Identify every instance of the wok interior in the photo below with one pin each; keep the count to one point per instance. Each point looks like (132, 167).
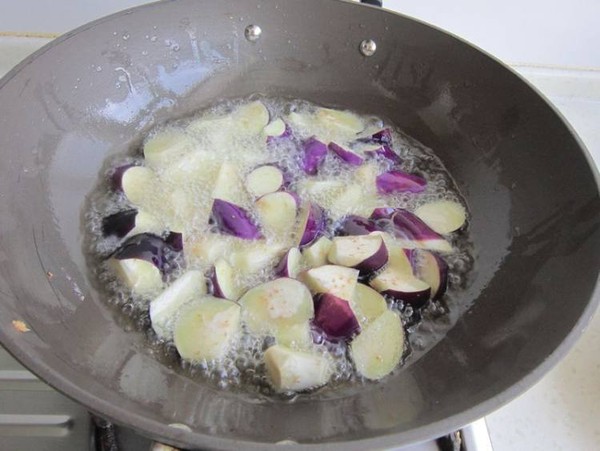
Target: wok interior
(528, 185)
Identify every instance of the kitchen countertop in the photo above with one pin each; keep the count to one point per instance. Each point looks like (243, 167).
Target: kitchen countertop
(561, 412)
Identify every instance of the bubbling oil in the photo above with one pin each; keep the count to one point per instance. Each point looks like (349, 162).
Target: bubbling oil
(243, 368)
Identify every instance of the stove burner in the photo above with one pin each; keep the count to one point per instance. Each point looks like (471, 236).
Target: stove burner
(34, 416)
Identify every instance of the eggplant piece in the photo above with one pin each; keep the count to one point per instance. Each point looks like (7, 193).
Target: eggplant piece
(383, 136)
(139, 184)
(339, 121)
(402, 286)
(163, 148)
(119, 224)
(150, 248)
(254, 257)
(141, 276)
(431, 269)
(206, 249)
(383, 151)
(312, 223)
(116, 177)
(367, 253)
(442, 216)
(277, 212)
(337, 280)
(228, 185)
(382, 213)
(278, 303)
(142, 261)
(175, 241)
(377, 350)
(399, 182)
(316, 254)
(408, 227)
(231, 219)
(250, 118)
(366, 176)
(222, 278)
(294, 336)
(335, 317)
(329, 124)
(264, 180)
(290, 370)
(277, 129)
(353, 225)
(345, 155)
(315, 152)
(197, 169)
(207, 329)
(165, 307)
(353, 198)
(367, 304)
(290, 264)
(397, 279)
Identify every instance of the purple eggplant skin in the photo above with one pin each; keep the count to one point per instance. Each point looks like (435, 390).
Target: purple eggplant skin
(415, 299)
(119, 224)
(408, 225)
(315, 152)
(382, 213)
(443, 268)
(334, 316)
(356, 225)
(175, 240)
(315, 224)
(231, 219)
(116, 177)
(375, 262)
(386, 152)
(383, 136)
(214, 287)
(399, 182)
(283, 268)
(148, 247)
(345, 155)
(418, 259)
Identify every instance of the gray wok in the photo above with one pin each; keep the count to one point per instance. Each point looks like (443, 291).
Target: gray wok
(527, 179)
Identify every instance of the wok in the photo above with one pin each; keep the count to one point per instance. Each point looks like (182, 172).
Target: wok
(526, 177)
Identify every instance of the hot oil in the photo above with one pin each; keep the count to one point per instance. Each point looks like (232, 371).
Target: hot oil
(243, 369)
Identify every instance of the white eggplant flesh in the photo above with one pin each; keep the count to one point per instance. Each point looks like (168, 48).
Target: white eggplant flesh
(367, 304)
(228, 185)
(334, 279)
(377, 350)
(442, 216)
(367, 253)
(295, 336)
(165, 307)
(264, 180)
(277, 213)
(316, 254)
(139, 186)
(290, 370)
(165, 147)
(141, 276)
(275, 304)
(207, 329)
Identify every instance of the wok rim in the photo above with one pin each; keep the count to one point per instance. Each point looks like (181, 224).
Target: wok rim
(179, 437)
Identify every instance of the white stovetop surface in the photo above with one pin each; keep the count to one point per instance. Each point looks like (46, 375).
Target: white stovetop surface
(561, 412)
